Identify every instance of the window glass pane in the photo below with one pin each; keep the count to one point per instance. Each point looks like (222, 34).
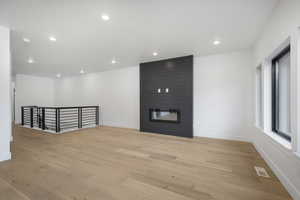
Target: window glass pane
(284, 94)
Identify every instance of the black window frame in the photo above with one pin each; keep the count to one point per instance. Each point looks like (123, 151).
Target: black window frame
(275, 95)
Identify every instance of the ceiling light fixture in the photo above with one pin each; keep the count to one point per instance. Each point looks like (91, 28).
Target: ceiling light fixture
(105, 17)
(113, 61)
(27, 40)
(82, 71)
(30, 60)
(155, 53)
(52, 39)
(58, 75)
(217, 42)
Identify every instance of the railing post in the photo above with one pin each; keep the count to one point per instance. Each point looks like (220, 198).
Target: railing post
(39, 120)
(97, 115)
(43, 119)
(37, 117)
(31, 117)
(22, 113)
(57, 117)
(79, 117)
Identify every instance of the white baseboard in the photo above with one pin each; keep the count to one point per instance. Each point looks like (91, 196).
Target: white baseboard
(234, 138)
(118, 125)
(5, 156)
(294, 192)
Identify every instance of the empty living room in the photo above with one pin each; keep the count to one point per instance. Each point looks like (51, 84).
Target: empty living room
(150, 100)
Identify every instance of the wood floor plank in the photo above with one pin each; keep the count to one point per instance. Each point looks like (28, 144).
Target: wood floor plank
(123, 164)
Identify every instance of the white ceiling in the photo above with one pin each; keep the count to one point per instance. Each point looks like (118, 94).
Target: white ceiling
(135, 30)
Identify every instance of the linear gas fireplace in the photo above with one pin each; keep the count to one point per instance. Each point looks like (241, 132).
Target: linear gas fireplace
(170, 116)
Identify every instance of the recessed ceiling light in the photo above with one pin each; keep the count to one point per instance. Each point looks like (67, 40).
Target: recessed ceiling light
(82, 71)
(113, 61)
(105, 17)
(217, 42)
(52, 39)
(58, 75)
(27, 40)
(30, 60)
(155, 53)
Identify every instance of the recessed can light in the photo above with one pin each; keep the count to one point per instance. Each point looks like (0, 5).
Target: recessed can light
(217, 42)
(105, 17)
(82, 71)
(58, 75)
(27, 40)
(52, 39)
(30, 60)
(155, 53)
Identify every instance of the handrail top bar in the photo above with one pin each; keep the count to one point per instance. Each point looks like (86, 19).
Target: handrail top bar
(29, 107)
(62, 107)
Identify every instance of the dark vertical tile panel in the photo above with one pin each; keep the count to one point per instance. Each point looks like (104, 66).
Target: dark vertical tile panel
(177, 75)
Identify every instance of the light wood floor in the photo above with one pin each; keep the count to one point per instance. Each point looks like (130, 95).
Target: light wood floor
(119, 164)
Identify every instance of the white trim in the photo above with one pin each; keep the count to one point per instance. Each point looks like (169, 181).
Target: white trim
(259, 96)
(267, 64)
(268, 137)
(232, 138)
(5, 156)
(267, 109)
(296, 142)
(286, 144)
(279, 49)
(294, 192)
(293, 88)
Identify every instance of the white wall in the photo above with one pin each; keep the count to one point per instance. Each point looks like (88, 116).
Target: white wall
(222, 107)
(222, 95)
(5, 98)
(283, 24)
(33, 90)
(117, 93)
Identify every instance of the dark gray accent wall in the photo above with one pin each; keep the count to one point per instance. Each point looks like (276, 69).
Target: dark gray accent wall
(177, 75)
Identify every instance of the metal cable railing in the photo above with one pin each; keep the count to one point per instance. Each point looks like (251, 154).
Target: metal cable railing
(60, 119)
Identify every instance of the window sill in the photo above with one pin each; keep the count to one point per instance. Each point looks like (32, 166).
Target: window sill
(280, 140)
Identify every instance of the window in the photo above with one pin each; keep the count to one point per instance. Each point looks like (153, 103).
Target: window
(281, 124)
(259, 98)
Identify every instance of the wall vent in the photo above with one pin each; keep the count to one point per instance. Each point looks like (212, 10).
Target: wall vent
(260, 171)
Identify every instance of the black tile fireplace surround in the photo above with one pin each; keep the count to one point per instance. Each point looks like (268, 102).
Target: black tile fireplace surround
(166, 97)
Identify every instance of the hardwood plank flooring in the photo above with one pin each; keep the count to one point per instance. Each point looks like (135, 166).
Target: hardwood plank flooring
(121, 164)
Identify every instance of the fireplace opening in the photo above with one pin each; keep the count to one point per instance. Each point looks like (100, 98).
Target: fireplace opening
(171, 115)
